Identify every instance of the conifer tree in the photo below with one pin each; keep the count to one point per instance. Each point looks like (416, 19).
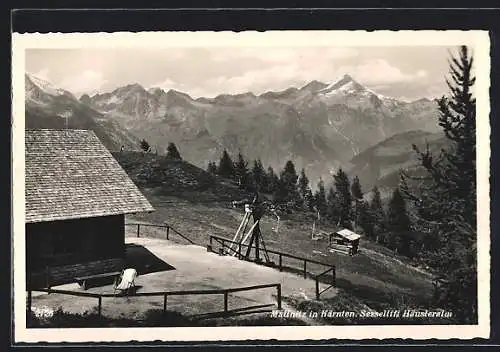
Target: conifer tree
(320, 198)
(173, 152)
(212, 167)
(332, 211)
(377, 214)
(309, 199)
(446, 202)
(357, 195)
(357, 192)
(304, 190)
(366, 221)
(259, 175)
(272, 181)
(288, 192)
(398, 226)
(226, 166)
(343, 198)
(241, 171)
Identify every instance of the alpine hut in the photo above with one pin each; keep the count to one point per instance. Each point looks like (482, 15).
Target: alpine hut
(77, 196)
(345, 241)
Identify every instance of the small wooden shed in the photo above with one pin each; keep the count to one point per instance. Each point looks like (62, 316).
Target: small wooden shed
(345, 241)
(77, 196)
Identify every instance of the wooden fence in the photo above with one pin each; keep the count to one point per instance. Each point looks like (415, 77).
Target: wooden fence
(169, 230)
(328, 276)
(166, 294)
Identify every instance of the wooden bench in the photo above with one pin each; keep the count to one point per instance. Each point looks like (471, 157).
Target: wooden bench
(82, 280)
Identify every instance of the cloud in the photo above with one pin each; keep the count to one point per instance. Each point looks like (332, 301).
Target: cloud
(89, 81)
(295, 73)
(276, 77)
(287, 67)
(281, 55)
(43, 74)
(379, 72)
(165, 84)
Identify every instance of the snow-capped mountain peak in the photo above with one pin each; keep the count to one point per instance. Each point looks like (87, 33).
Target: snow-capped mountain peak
(347, 89)
(46, 86)
(346, 84)
(314, 86)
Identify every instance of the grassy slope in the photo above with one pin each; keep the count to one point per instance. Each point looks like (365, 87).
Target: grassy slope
(198, 204)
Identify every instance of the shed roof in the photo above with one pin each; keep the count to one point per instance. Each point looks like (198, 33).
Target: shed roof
(70, 174)
(348, 234)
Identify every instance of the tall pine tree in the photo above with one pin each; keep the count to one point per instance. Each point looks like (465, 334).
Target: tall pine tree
(173, 152)
(398, 235)
(272, 181)
(320, 198)
(226, 166)
(259, 175)
(304, 190)
(288, 192)
(357, 195)
(446, 203)
(332, 211)
(344, 199)
(377, 214)
(366, 219)
(241, 171)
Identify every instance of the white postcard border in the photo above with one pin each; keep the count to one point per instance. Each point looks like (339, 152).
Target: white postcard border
(479, 40)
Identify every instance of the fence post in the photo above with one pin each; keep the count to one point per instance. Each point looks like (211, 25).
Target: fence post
(239, 250)
(168, 230)
(210, 241)
(278, 289)
(225, 301)
(165, 303)
(99, 308)
(281, 262)
(305, 268)
(317, 288)
(334, 277)
(138, 230)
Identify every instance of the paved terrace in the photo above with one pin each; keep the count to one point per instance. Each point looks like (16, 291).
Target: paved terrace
(166, 266)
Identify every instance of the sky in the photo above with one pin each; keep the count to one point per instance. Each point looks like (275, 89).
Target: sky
(402, 72)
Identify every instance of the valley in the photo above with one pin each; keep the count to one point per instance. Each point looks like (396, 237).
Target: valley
(376, 277)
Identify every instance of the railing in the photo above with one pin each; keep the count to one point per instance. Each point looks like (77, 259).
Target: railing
(165, 294)
(318, 279)
(228, 245)
(169, 229)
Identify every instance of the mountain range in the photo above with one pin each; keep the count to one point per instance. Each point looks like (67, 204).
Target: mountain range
(47, 106)
(319, 126)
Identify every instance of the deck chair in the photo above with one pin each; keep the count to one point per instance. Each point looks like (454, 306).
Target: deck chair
(126, 281)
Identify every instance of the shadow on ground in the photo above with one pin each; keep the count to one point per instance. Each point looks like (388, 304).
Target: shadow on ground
(143, 260)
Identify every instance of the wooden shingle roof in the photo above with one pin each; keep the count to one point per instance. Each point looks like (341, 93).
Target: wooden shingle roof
(70, 174)
(348, 234)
